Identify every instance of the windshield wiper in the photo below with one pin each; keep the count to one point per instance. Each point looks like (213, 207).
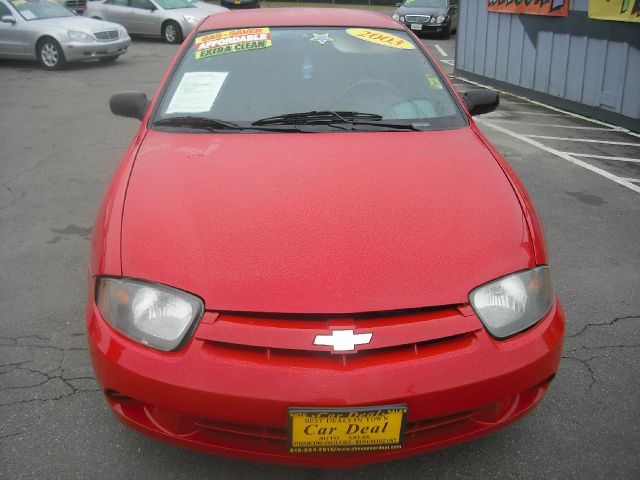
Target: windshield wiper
(215, 124)
(323, 117)
(204, 123)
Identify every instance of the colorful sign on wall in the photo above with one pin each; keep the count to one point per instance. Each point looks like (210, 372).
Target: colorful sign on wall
(556, 8)
(618, 10)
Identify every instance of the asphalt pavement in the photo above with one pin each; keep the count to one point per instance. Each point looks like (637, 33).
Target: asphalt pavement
(59, 145)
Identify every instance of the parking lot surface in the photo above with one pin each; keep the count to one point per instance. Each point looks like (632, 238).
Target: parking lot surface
(59, 147)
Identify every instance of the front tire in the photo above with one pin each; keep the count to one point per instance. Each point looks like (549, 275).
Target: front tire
(50, 54)
(172, 32)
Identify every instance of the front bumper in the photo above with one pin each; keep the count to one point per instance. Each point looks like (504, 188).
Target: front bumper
(428, 27)
(77, 51)
(234, 402)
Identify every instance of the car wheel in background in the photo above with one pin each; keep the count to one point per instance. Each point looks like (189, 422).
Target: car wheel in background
(50, 54)
(172, 32)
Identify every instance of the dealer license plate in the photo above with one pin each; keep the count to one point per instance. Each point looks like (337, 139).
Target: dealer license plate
(331, 430)
(416, 26)
(237, 2)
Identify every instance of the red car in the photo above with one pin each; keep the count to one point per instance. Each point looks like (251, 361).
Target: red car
(311, 255)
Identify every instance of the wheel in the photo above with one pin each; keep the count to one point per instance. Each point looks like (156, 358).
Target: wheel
(172, 32)
(50, 54)
(109, 59)
(447, 32)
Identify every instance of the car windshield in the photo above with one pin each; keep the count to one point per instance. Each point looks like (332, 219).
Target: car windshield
(425, 3)
(173, 4)
(39, 10)
(331, 78)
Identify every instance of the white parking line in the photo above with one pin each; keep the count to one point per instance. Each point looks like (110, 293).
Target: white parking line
(604, 157)
(501, 113)
(449, 62)
(635, 180)
(605, 129)
(564, 156)
(584, 140)
(441, 50)
(549, 107)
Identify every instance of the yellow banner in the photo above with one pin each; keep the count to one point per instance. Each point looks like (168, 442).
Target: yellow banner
(618, 10)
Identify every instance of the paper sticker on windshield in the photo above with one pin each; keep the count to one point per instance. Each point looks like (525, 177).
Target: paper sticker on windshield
(231, 41)
(15, 3)
(27, 14)
(434, 81)
(380, 38)
(196, 92)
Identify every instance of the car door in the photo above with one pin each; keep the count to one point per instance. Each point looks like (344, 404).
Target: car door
(144, 16)
(117, 11)
(12, 37)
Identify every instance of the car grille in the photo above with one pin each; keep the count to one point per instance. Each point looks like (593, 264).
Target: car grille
(288, 339)
(106, 35)
(77, 5)
(417, 18)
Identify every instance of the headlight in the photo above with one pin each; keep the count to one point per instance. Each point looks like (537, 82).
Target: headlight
(440, 19)
(401, 18)
(152, 314)
(514, 303)
(191, 19)
(395, 16)
(79, 36)
(433, 20)
(122, 32)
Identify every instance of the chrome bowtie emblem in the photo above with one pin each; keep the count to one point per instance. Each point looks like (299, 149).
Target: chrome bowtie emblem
(343, 340)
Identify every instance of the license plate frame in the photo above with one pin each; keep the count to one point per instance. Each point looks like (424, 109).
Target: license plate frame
(305, 424)
(416, 26)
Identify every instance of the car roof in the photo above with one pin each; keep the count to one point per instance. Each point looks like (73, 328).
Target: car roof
(271, 17)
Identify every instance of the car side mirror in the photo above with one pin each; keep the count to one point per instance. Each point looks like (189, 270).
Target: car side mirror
(398, 4)
(481, 101)
(129, 104)
(8, 19)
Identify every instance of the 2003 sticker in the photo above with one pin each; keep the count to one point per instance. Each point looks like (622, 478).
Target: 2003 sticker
(231, 41)
(380, 38)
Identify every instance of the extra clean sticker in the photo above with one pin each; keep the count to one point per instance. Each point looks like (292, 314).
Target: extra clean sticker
(380, 38)
(231, 41)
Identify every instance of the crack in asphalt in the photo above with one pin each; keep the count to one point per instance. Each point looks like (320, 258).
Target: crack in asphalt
(585, 363)
(605, 324)
(6, 183)
(54, 371)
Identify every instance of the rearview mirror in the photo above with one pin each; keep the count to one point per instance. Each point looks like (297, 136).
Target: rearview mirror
(129, 104)
(481, 101)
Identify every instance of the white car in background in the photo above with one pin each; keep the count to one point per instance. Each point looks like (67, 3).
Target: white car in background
(170, 19)
(48, 32)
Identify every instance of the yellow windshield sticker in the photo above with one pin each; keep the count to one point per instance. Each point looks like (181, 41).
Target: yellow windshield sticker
(434, 81)
(380, 38)
(18, 2)
(231, 41)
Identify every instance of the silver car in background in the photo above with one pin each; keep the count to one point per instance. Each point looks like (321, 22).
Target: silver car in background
(170, 19)
(48, 32)
(207, 7)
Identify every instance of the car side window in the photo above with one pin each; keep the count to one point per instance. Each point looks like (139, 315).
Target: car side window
(117, 3)
(143, 4)
(4, 10)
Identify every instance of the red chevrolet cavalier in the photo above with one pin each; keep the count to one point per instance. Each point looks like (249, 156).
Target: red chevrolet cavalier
(310, 254)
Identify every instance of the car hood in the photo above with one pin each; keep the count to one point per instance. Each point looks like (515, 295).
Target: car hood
(82, 24)
(421, 11)
(321, 223)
